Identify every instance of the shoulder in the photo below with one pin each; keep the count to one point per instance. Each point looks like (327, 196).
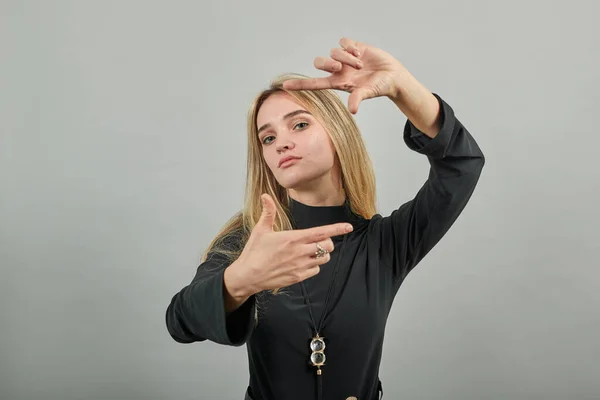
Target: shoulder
(232, 240)
(373, 227)
(366, 226)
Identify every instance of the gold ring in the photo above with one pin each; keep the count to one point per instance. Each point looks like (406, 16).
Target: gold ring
(321, 251)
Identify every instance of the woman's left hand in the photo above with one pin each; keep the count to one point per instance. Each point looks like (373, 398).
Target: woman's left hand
(358, 68)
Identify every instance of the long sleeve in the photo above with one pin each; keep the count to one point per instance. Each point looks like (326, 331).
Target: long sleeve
(197, 312)
(456, 162)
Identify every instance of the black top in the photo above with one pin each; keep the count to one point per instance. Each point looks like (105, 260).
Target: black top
(377, 256)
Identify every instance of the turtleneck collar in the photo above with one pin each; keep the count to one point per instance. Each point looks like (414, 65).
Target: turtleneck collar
(305, 216)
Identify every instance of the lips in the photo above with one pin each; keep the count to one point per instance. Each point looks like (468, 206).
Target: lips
(288, 158)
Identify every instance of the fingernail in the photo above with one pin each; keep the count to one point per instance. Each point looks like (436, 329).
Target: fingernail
(349, 228)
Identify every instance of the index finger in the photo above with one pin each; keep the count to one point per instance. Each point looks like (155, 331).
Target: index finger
(319, 233)
(307, 84)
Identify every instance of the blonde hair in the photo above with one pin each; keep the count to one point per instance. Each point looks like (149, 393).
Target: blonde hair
(357, 175)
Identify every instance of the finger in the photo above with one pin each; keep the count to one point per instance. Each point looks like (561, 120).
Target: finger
(307, 84)
(324, 259)
(358, 95)
(310, 249)
(346, 58)
(316, 262)
(350, 46)
(327, 64)
(309, 273)
(319, 233)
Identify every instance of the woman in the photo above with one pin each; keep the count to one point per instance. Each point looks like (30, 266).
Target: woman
(309, 227)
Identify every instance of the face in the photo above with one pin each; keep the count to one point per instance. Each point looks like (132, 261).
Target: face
(288, 129)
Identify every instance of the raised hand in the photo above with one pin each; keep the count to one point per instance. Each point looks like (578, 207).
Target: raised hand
(362, 70)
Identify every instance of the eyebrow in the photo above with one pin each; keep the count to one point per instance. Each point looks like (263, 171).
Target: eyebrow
(286, 116)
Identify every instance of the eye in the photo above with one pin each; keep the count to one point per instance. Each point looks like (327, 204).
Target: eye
(300, 123)
(265, 138)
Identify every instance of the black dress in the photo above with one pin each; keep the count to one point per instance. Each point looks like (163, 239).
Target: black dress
(376, 257)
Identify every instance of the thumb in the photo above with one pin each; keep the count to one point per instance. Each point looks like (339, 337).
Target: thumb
(359, 94)
(269, 211)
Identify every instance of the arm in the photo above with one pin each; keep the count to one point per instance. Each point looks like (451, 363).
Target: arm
(234, 292)
(213, 306)
(456, 162)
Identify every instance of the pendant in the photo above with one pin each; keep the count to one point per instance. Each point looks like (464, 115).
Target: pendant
(317, 357)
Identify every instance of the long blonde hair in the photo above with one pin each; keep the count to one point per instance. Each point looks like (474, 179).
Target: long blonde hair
(358, 178)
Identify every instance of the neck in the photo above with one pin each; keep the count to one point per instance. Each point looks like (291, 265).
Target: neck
(324, 190)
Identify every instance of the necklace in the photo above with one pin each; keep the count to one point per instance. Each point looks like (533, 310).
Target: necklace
(317, 343)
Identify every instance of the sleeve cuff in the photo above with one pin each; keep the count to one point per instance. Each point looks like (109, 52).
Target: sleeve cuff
(436, 147)
(235, 328)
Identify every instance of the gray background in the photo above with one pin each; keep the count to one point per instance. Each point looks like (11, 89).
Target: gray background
(122, 153)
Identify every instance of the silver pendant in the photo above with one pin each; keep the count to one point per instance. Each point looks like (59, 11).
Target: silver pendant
(317, 347)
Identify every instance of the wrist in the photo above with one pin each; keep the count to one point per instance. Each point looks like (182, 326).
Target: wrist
(400, 78)
(235, 283)
(403, 84)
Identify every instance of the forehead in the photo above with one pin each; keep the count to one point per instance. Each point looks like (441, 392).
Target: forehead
(275, 107)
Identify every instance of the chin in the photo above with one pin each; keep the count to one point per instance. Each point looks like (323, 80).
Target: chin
(291, 184)
(299, 179)
(297, 184)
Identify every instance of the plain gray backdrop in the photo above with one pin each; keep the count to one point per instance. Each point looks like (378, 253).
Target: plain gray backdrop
(123, 152)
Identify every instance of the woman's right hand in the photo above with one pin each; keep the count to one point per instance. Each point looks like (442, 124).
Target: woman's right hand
(273, 260)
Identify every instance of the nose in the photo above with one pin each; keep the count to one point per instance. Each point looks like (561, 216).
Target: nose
(284, 143)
